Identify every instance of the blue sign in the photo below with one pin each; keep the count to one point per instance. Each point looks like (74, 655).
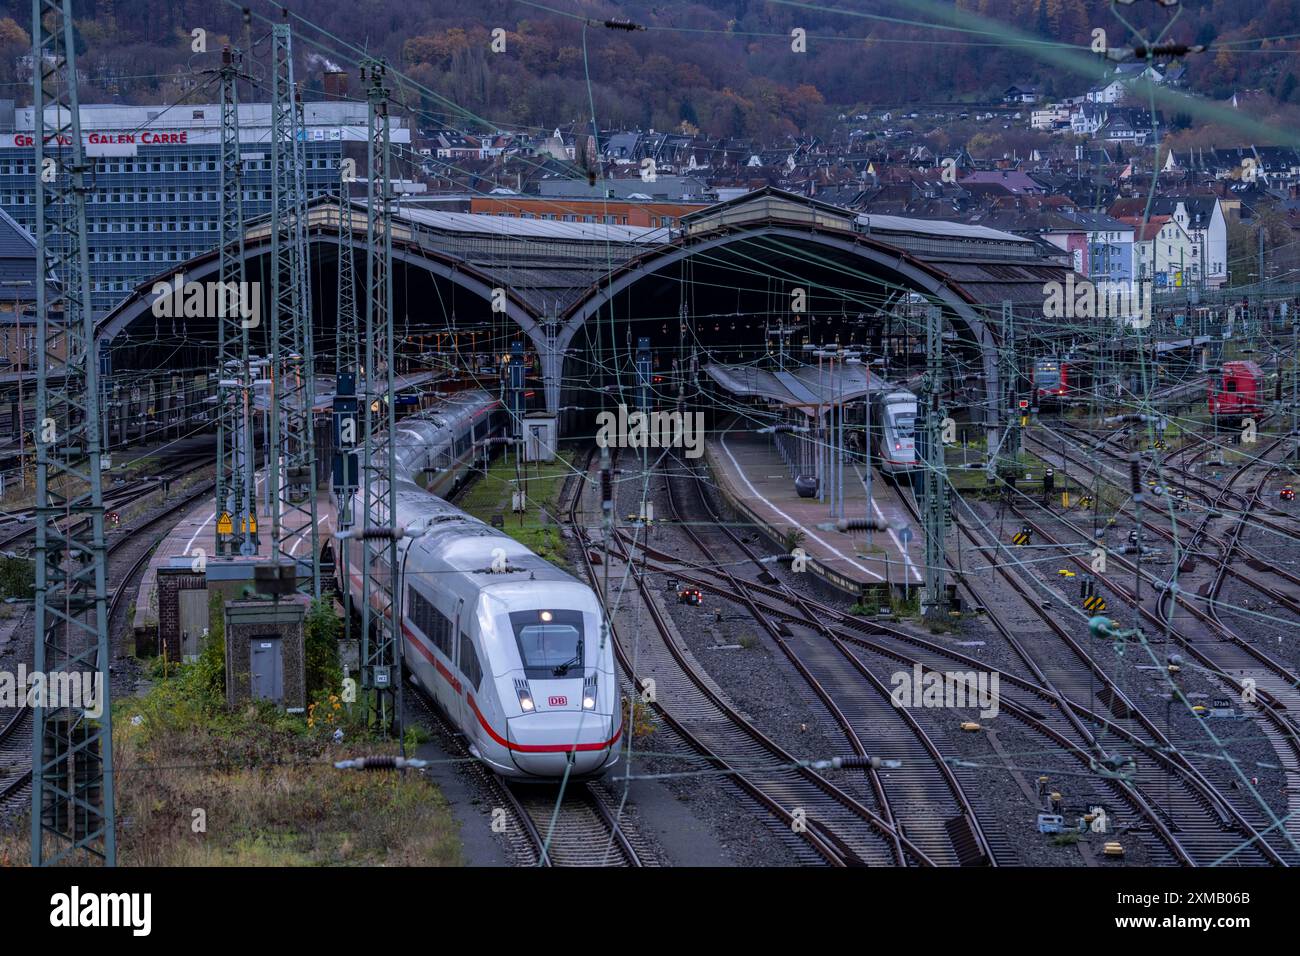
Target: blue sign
(346, 471)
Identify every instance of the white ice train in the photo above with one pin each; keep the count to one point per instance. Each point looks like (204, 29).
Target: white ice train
(892, 412)
(508, 644)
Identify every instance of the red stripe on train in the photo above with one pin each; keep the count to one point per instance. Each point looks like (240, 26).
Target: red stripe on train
(540, 748)
(427, 654)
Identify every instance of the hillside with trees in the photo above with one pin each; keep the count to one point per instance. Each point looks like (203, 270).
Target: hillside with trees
(723, 66)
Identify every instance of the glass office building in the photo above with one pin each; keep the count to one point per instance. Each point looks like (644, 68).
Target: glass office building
(155, 192)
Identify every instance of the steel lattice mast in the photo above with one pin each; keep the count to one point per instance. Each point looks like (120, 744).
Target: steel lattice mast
(290, 475)
(379, 599)
(934, 478)
(302, 455)
(345, 387)
(72, 754)
(235, 482)
(345, 331)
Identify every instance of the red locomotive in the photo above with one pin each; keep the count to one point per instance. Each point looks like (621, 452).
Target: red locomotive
(1055, 380)
(1238, 390)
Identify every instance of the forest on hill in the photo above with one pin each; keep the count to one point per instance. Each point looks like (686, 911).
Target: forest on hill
(727, 67)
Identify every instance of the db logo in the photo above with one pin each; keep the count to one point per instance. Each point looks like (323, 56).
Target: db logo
(558, 701)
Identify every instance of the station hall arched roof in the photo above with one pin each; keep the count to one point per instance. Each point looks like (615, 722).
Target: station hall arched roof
(561, 271)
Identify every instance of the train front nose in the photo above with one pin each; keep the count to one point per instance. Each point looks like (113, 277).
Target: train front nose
(542, 744)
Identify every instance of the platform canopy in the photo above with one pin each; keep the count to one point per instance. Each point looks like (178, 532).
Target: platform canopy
(807, 388)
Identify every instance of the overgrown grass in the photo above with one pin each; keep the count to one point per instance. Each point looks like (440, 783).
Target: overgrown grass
(908, 605)
(267, 795)
(542, 481)
(200, 785)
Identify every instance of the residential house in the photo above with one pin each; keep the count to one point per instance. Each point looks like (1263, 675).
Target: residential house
(1202, 218)
(561, 146)
(1087, 119)
(449, 144)
(1107, 94)
(1050, 118)
(1117, 87)
(1163, 253)
(1104, 251)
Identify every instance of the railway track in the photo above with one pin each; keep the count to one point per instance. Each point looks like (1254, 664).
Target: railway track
(1193, 821)
(1036, 708)
(1178, 468)
(1204, 821)
(119, 497)
(923, 796)
(837, 827)
(1256, 568)
(574, 825)
(1216, 648)
(127, 554)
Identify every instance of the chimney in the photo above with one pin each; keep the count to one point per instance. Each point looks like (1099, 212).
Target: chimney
(336, 85)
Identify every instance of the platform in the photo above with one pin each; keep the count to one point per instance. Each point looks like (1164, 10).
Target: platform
(195, 531)
(756, 482)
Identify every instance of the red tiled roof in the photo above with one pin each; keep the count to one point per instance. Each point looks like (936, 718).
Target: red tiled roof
(1150, 231)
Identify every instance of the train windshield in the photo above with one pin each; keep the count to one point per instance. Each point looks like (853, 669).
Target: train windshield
(1047, 373)
(550, 641)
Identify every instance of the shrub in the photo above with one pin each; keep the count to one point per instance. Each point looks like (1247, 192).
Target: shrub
(637, 718)
(208, 673)
(322, 649)
(908, 606)
(17, 577)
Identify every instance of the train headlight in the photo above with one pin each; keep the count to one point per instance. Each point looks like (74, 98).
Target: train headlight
(589, 693)
(525, 696)
(588, 702)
